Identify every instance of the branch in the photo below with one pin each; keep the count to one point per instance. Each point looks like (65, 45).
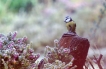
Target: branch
(98, 60)
(86, 67)
(90, 62)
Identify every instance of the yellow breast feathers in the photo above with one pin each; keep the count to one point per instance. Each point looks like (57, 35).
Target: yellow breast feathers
(71, 26)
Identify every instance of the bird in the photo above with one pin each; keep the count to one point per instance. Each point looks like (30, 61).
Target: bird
(70, 24)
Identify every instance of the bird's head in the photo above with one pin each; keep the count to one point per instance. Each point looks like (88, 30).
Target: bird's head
(68, 19)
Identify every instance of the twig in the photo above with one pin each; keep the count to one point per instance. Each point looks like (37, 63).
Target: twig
(91, 65)
(90, 62)
(86, 67)
(98, 60)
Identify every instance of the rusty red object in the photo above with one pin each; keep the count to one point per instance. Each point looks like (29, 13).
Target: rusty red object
(78, 47)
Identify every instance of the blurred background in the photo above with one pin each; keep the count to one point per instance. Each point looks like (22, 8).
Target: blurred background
(42, 21)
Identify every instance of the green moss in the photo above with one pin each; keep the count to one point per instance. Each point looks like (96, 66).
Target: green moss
(16, 5)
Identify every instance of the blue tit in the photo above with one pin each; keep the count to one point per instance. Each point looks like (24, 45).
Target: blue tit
(70, 24)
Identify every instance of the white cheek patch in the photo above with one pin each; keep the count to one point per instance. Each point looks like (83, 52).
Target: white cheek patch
(67, 20)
